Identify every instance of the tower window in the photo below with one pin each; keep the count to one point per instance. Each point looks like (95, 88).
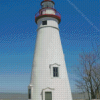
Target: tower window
(44, 22)
(55, 71)
(29, 93)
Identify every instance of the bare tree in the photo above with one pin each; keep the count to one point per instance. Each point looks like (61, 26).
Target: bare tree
(89, 74)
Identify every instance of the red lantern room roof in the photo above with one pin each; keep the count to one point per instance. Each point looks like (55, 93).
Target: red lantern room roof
(47, 0)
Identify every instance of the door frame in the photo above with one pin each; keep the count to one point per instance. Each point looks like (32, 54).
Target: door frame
(48, 90)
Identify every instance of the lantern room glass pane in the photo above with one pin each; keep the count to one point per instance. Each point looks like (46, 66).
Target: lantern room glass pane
(47, 4)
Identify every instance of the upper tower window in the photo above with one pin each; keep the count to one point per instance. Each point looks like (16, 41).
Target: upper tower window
(44, 22)
(47, 4)
(55, 71)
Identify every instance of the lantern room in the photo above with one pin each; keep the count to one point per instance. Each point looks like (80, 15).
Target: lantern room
(47, 3)
(47, 10)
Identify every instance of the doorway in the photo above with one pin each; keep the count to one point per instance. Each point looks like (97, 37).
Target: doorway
(48, 95)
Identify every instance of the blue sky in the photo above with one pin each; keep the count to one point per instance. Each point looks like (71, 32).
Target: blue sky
(79, 28)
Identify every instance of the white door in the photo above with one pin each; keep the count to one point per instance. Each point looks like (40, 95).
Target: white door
(48, 95)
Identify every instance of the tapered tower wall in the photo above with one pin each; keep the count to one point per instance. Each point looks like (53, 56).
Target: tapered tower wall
(48, 53)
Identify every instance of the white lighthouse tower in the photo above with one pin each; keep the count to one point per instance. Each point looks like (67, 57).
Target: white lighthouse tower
(49, 80)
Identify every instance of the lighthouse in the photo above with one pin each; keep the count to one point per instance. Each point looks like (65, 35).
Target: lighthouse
(49, 79)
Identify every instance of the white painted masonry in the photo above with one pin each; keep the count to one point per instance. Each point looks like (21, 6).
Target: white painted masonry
(48, 54)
